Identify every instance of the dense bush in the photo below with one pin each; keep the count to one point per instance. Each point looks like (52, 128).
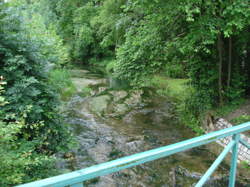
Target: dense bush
(25, 68)
(142, 53)
(20, 160)
(92, 29)
(31, 129)
(175, 70)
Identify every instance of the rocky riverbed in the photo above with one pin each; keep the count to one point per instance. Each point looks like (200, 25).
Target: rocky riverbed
(110, 123)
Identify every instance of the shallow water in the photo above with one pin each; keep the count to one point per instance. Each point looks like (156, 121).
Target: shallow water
(147, 125)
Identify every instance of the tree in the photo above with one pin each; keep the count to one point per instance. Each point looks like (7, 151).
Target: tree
(31, 129)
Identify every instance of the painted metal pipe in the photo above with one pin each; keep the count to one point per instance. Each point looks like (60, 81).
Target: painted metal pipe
(216, 163)
(234, 159)
(243, 142)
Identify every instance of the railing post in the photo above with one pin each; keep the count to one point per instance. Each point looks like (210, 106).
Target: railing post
(233, 169)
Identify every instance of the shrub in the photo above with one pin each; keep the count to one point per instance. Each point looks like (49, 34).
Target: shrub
(20, 162)
(60, 79)
(175, 70)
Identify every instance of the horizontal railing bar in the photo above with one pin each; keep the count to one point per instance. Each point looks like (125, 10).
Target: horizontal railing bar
(215, 164)
(244, 143)
(136, 159)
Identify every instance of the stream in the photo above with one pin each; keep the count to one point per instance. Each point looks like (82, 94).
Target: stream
(110, 122)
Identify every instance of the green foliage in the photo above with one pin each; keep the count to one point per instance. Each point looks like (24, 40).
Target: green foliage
(86, 91)
(177, 89)
(204, 41)
(20, 161)
(245, 165)
(83, 33)
(74, 26)
(31, 130)
(110, 66)
(237, 89)
(106, 65)
(145, 48)
(179, 38)
(190, 120)
(2, 99)
(36, 28)
(139, 56)
(60, 79)
(110, 24)
(90, 28)
(175, 70)
(51, 44)
(181, 93)
(230, 107)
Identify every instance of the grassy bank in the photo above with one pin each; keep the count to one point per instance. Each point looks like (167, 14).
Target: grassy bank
(177, 89)
(180, 91)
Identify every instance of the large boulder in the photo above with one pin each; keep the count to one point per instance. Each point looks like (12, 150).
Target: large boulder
(99, 105)
(120, 109)
(119, 95)
(135, 98)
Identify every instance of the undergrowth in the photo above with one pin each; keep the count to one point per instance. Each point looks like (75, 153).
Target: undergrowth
(179, 90)
(60, 79)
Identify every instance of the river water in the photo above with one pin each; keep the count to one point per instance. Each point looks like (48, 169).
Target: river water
(111, 123)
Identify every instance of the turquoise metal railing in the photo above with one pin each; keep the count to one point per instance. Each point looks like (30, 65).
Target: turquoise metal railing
(76, 178)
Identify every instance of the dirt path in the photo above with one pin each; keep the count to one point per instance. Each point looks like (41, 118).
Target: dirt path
(242, 110)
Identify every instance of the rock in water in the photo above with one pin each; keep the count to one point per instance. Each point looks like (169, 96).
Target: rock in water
(99, 105)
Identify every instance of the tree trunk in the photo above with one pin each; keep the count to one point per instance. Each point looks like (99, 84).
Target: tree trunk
(248, 67)
(219, 45)
(229, 62)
